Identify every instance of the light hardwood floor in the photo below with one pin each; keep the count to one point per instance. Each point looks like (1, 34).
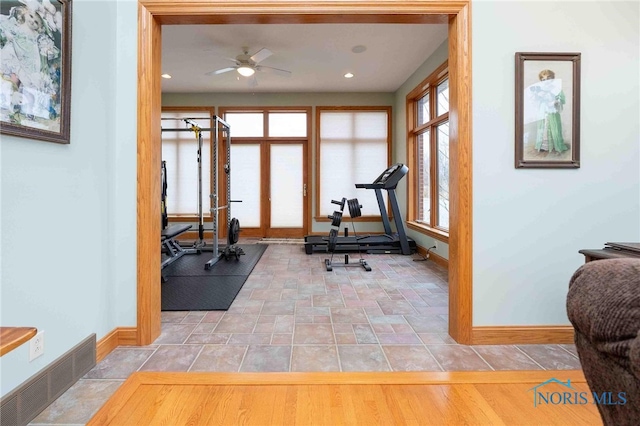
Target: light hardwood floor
(453, 398)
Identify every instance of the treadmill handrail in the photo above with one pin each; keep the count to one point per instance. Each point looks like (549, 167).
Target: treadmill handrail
(389, 179)
(370, 185)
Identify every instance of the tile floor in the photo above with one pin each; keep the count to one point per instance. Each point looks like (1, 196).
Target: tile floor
(293, 315)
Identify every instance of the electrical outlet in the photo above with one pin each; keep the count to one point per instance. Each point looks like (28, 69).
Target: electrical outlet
(36, 346)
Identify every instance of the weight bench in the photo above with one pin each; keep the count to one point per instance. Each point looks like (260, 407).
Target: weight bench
(170, 246)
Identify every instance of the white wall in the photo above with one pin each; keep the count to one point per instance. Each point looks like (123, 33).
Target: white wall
(528, 224)
(65, 208)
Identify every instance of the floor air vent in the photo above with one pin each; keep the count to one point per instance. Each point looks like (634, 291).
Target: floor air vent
(24, 403)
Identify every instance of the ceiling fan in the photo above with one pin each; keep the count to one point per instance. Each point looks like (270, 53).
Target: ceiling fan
(247, 65)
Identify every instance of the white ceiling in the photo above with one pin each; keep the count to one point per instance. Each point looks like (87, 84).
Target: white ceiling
(318, 55)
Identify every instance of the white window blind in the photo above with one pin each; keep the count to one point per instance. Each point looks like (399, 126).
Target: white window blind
(245, 124)
(353, 149)
(245, 184)
(180, 151)
(287, 124)
(287, 169)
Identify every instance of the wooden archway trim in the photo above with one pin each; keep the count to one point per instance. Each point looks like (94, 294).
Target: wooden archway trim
(154, 14)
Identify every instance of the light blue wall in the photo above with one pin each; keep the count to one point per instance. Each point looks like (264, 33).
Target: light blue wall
(400, 138)
(67, 216)
(529, 224)
(68, 211)
(123, 173)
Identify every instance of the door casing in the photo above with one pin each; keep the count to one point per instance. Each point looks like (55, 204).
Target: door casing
(152, 14)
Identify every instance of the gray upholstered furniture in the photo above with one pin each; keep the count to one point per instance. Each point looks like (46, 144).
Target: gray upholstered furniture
(603, 305)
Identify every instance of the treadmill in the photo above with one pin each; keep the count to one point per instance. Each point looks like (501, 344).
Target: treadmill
(389, 242)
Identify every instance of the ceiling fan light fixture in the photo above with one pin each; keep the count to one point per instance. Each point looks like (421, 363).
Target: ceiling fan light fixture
(246, 71)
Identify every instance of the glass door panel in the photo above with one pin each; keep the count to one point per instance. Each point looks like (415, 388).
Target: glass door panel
(287, 190)
(245, 184)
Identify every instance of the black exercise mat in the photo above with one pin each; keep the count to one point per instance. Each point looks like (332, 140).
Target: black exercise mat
(198, 289)
(193, 264)
(214, 293)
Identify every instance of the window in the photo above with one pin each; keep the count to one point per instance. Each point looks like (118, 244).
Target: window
(278, 124)
(428, 152)
(353, 147)
(245, 124)
(287, 124)
(180, 151)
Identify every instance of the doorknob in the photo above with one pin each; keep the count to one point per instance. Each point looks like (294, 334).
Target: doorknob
(304, 190)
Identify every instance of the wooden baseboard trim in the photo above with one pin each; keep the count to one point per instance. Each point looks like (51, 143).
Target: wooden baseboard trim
(120, 336)
(511, 335)
(106, 345)
(127, 336)
(434, 257)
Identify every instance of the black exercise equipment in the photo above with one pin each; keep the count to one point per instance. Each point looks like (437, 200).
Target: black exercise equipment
(191, 126)
(340, 203)
(332, 241)
(163, 202)
(389, 242)
(336, 218)
(233, 234)
(170, 247)
(230, 250)
(220, 126)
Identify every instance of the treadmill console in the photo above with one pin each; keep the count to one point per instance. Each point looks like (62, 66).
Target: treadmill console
(389, 178)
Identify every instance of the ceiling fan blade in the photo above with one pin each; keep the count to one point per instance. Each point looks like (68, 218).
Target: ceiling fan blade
(253, 81)
(271, 70)
(220, 71)
(261, 55)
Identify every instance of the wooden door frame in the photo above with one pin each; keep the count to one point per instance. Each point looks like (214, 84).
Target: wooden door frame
(265, 142)
(305, 181)
(152, 14)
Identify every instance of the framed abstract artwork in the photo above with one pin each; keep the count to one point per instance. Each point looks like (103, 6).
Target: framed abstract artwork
(35, 88)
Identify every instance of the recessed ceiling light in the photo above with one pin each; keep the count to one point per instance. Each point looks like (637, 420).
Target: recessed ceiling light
(348, 75)
(358, 49)
(166, 76)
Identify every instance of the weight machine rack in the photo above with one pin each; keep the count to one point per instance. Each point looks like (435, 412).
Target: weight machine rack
(219, 125)
(200, 245)
(336, 219)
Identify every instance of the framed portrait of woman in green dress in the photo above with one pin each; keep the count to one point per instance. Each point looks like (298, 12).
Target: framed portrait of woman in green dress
(547, 110)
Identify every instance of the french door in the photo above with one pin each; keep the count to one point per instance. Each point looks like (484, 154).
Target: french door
(269, 170)
(270, 180)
